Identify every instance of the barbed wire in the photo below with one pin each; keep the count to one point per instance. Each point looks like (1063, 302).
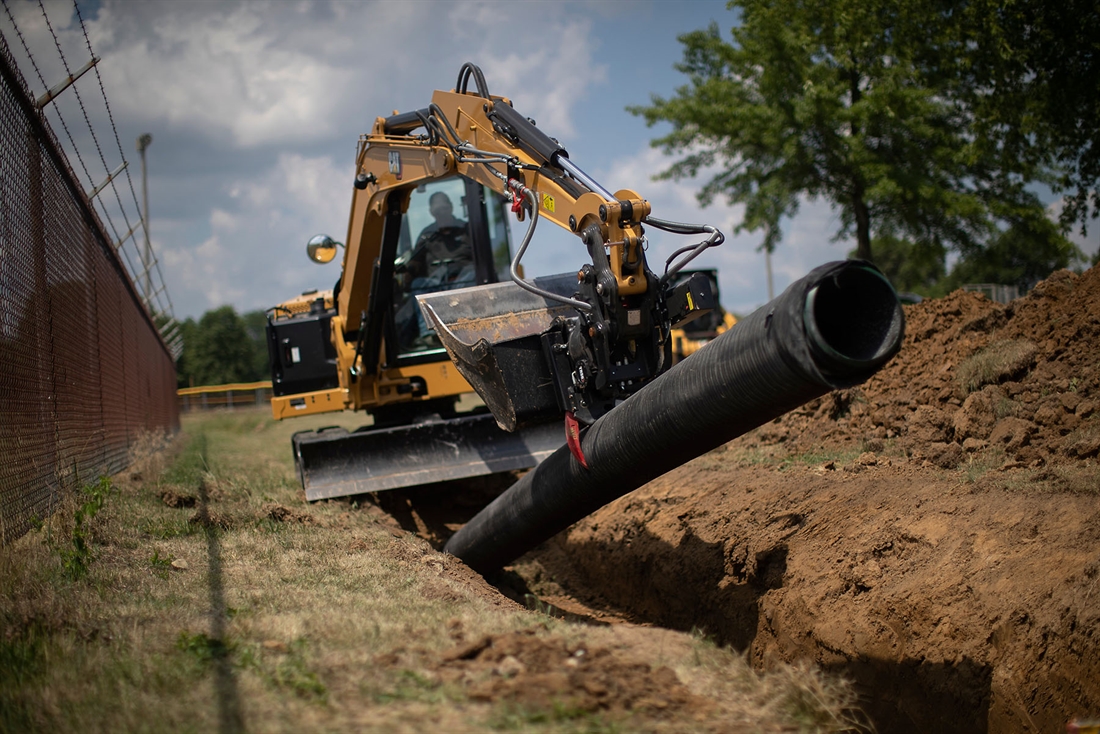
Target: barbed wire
(155, 262)
(148, 279)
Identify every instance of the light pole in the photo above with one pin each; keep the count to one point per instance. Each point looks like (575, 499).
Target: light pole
(768, 268)
(143, 142)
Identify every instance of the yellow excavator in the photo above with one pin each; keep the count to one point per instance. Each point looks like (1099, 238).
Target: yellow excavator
(431, 303)
(577, 373)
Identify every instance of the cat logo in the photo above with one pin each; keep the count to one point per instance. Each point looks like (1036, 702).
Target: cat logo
(395, 164)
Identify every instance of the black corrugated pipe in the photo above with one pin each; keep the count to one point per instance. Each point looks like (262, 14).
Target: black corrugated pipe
(832, 329)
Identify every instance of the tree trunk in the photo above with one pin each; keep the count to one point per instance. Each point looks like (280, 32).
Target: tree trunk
(863, 222)
(859, 206)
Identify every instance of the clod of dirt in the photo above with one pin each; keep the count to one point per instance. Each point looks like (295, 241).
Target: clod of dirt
(542, 674)
(176, 500)
(282, 513)
(999, 362)
(209, 490)
(206, 518)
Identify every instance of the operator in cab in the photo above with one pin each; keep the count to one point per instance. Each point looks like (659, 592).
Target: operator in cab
(442, 254)
(441, 259)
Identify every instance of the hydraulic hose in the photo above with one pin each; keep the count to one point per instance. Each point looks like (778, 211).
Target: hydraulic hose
(832, 329)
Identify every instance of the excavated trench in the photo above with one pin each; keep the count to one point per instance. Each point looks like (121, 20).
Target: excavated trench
(932, 535)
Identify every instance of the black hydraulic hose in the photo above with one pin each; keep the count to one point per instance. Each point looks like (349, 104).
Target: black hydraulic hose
(832, 329)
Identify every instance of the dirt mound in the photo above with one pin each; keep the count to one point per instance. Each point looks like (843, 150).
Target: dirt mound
(932, 534)
(972, 375)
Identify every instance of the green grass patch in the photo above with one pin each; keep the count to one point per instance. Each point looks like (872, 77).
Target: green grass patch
(998, 362)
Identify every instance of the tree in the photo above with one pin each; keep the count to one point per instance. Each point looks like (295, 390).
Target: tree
(1035, 72)
(1022, 255)
(218, 350)
(910, 266)
(185, 372)
(865, 104)
(255, 323)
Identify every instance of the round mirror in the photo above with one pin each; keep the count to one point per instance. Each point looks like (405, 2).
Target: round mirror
(322, 248)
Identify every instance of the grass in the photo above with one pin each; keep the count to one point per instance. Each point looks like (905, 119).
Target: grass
(996, 363)
(125, 614)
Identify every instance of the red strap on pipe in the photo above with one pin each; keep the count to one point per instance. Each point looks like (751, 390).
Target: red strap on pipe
(573, 438)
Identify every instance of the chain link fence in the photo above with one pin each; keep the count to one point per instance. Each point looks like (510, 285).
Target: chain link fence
(83, 370)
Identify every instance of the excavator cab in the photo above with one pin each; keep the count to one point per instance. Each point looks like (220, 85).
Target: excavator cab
(453, 235)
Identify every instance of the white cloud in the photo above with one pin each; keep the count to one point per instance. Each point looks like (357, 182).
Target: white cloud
(254, 255)
(233, 69)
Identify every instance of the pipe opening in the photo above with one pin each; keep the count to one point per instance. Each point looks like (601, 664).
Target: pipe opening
(854, 319)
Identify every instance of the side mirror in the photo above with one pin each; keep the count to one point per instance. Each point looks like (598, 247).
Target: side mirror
(322, 248)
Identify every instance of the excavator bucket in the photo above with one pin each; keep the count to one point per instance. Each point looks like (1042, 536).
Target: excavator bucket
(492, 334)
(335, 462)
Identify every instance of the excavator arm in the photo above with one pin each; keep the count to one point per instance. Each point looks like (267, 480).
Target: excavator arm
(617, 337)
(534, 350)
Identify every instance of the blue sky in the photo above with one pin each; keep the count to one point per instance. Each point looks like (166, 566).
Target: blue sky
(255, 109)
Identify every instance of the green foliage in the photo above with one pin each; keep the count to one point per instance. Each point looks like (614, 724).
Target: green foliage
(291, 673)
(868, 105)
(223, 347)
(22, 661)
(255, 324)
(911, 267)
(1022, 255)
(1035, 72)
(162, 565)
(164, 528)
(78, 555)
(202, 647)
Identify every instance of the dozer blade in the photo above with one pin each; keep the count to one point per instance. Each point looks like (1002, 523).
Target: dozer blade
(491, 333)
(334, 462)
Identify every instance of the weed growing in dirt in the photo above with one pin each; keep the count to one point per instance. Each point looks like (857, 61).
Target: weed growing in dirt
(165, 528)
(998, 362)
(161, 565)
(76, 556)
(818, 704)
(284, 667)
(980, 464)
(202, 647)
(412, 685)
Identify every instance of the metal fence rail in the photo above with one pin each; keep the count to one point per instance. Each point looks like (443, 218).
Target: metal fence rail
(83, 370)
(237, 395)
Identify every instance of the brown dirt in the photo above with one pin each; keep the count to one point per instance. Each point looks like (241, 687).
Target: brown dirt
(540, 673)
(933, 535)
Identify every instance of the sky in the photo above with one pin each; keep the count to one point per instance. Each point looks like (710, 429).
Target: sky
(255, 109)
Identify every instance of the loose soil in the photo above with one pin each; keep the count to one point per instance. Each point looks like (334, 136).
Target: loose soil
(932, 535)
